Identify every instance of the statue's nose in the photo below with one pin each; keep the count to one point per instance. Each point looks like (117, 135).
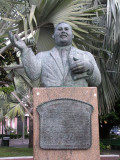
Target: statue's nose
(63, 31)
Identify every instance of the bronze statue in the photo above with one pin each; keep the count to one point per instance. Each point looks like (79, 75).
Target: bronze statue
(64, 65)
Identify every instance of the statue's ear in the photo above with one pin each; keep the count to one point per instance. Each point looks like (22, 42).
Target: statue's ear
(53, 36)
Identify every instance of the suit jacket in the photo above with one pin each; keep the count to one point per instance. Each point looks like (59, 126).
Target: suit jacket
(49, 68)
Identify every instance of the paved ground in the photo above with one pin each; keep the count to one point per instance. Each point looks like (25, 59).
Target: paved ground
(19, 143)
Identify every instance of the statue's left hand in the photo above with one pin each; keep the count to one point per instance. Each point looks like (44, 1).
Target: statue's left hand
(81, 66)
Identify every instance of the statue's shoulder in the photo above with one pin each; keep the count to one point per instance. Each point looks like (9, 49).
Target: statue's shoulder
(79, 51)
(45, 53)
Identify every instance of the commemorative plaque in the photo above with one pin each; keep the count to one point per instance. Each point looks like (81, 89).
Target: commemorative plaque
(65, 124)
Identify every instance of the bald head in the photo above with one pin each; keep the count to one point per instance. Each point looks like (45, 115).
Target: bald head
(63, 34)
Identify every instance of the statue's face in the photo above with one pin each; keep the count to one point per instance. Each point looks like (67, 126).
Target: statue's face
(63, 34)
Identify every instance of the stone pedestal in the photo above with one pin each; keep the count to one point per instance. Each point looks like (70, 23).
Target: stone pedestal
(88, 95)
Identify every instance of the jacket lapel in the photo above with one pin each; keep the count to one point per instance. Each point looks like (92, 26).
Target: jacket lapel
(55, 54)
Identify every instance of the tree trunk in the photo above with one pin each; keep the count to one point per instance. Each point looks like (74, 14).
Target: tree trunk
(30, 132)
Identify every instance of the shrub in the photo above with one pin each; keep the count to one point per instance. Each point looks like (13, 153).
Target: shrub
(15, 136)
(102, 147)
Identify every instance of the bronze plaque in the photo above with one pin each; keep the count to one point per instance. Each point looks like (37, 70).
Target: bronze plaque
(65, 124)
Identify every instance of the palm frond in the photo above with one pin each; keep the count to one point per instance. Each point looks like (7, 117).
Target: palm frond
(47, 13)
(2, 95)
(43, 15)
(113, 21)
(108, 91)
(15, 110)
(9, 15)
(79, 14)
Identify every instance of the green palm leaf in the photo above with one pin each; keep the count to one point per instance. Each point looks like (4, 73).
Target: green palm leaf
(15, 110)
(83, 17)
(78, 13)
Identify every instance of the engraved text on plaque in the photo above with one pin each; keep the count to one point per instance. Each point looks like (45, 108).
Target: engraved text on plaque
(65, 124)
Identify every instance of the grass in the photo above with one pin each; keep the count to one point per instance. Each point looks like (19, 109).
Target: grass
(15, 152)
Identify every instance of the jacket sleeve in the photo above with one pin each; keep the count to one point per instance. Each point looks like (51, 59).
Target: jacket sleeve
(95, 78)
(31, 63)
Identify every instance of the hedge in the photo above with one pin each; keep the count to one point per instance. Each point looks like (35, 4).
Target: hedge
(15, 136)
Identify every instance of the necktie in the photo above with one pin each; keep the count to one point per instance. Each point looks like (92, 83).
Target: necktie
(64, 57)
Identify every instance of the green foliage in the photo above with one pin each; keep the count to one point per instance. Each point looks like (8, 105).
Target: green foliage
(7, 90)
(109, 120)
(14, 109)
(10, 130)
(2, 42)
(113, 16)
(102, 147)
(14, 136)
(108, 147)
(111, 143)
(88, 24)
(79, 14)
(113, 117)
(9, 57)
(110, 88)
(118, 137)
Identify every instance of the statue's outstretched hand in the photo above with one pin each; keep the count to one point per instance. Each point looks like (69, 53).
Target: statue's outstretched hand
(16, 41)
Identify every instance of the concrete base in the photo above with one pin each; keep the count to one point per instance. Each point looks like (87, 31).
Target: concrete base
(88, 95)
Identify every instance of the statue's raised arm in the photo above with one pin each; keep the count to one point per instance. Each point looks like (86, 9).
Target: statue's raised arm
(31, 63)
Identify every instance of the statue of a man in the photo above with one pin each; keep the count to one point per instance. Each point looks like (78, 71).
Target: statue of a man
(64, 65)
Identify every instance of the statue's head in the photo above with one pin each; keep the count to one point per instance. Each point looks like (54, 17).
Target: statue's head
(63, 34)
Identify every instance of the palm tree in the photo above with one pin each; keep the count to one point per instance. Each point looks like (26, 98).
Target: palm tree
(110, 64)
(40, 17)
(90, 29)
(18, 102)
